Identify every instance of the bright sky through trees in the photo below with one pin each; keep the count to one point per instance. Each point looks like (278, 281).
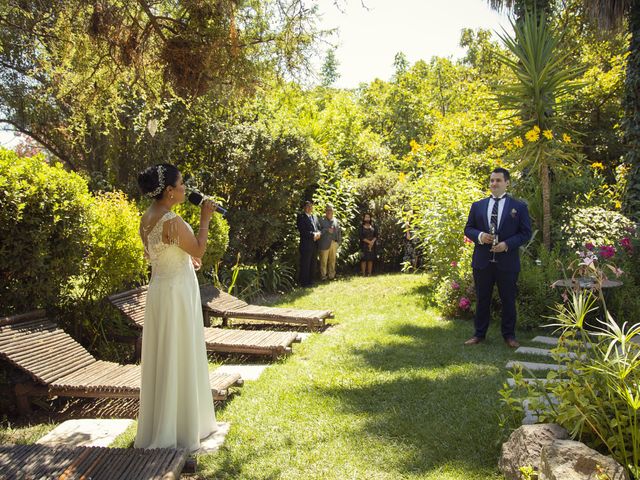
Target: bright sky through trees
(369, 37)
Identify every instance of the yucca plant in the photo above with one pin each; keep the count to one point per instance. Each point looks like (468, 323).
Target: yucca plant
(539, 137)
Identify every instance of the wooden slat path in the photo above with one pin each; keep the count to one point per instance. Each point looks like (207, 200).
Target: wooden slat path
(220, 304)
(258, 342)
(58, 365)
(96, 463)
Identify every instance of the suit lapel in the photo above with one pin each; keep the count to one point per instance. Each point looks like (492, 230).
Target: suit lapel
(485, 215)
(505, 208)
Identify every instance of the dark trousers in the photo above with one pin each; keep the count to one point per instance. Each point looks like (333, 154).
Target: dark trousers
(308, 253)
(485, 279)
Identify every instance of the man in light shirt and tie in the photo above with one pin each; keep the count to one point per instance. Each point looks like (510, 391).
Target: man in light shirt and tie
(498, 226)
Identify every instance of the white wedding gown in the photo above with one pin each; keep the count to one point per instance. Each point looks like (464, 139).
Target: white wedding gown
(176, 405)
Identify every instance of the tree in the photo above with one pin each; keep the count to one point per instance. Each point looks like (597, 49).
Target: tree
(610, 15)
(544, 81)
(85, 78)
(329, 73)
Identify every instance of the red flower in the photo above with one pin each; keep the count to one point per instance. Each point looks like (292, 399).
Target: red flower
(464, 303)
(626, 244)
(589, 246)
(607, 251)
(454, 264)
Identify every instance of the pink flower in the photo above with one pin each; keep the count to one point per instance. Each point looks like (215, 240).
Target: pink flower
(565, 297)
(626, 244)
(618, 272)
(454, 264)
(589, 246)
(455, 285)
(466, 240)
(607, 251)
(464, 303)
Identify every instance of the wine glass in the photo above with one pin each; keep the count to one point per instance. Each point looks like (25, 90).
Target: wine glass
(494, 243)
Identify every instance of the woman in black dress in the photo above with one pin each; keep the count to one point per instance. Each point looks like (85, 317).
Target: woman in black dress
(368, 244)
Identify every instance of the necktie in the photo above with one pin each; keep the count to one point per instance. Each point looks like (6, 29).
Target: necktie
(494, 213)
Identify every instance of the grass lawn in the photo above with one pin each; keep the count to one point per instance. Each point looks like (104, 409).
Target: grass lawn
(389, 393)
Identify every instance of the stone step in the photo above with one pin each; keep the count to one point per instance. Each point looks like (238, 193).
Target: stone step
(512, 383)
(87, 432)
(247, 372)
(546, 340)
(214, 441)
(534, 351)
(541, 351)
(532, 365)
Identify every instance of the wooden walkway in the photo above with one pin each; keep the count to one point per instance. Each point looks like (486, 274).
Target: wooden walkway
(257, 342)
(58, 365)
(21, 462)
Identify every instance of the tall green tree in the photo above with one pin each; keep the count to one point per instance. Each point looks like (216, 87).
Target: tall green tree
(610, 14)
(329, 73)
(86, 79)
(544, 80)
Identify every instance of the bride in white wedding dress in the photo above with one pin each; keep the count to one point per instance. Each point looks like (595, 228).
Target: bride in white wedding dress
(176, 405)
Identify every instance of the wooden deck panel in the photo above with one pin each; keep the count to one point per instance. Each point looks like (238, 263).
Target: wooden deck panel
(132, 303)
(67, 369)
(98, 463)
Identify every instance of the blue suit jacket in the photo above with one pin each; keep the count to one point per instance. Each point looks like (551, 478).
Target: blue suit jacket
(514, 229)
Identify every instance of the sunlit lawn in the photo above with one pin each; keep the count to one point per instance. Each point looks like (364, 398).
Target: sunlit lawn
(389, 393)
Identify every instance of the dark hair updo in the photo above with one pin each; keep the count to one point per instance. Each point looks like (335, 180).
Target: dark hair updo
(153, 180)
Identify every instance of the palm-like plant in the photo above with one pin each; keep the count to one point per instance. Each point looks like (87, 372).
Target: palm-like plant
(610, 14)
(544, 80)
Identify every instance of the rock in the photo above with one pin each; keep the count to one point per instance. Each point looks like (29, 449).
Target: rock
(571, 460)
(524, 446)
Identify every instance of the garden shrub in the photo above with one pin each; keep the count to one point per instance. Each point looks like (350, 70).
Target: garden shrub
(595, 392)
(455, 294)
(45, 214)
(439, 203)
(218, 238)
(536, 298)
(114, 262)
(595, 225)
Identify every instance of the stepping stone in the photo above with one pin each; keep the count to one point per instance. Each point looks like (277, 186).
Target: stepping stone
(534, 351)
(541, 351)
(512, 383)
(247, 372)
(302, 336)
(88, 432)
(546, 340)
(214, 441)
(532, 365)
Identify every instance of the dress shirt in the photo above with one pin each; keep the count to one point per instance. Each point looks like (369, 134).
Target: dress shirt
(490, 209)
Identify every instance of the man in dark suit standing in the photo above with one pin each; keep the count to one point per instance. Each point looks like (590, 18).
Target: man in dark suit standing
(309, 228)
(498, 226)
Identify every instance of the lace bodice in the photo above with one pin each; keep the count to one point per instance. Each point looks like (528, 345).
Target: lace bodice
(165, 258)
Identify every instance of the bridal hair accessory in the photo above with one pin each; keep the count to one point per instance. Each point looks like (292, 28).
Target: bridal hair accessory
(158, 191)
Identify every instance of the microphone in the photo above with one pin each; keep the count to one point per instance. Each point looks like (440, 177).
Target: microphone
(197, 198)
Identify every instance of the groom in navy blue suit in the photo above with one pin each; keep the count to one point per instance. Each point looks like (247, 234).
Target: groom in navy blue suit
(497, 262)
